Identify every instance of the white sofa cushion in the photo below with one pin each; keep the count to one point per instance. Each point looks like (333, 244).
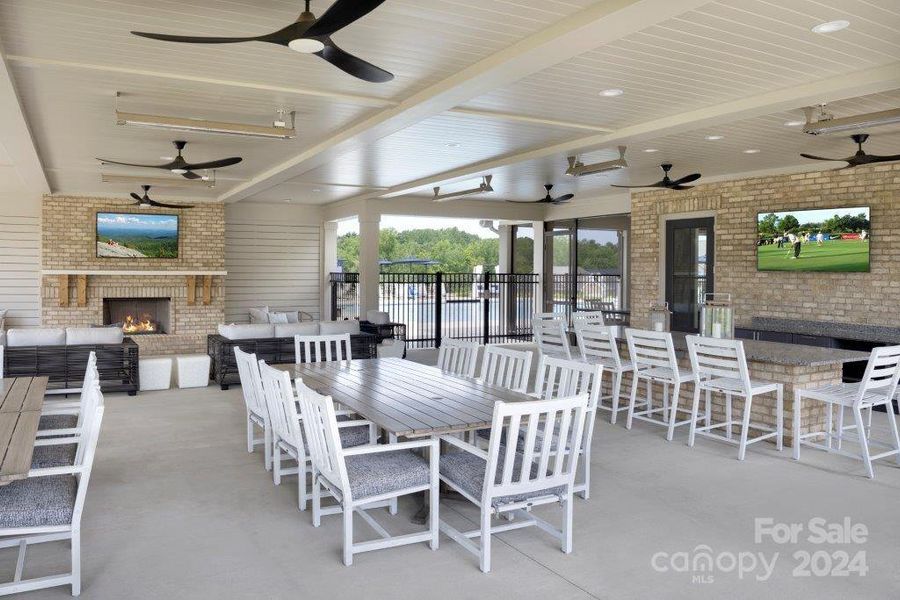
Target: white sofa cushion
(76, 336)
(335, 327)
(278, 318)
(378, 317)
(259, 316)
(36, 337)
(246, 332)
(293, 316)
(292, 329)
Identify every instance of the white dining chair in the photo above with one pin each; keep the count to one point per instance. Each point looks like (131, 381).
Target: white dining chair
(59, 447)
(551, 337)
(255, 404)
(585, 318)
(598, 345)
(322, 348)
(366, 477)
(458, 357)
(559, 378)
(506, 368)
(287, 436)
(47, 507)
(512, 478)
(877, 388)
(653, 356)
(65, 417)
(720, 367)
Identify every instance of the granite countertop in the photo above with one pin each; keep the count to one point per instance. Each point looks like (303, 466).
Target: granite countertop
(846, 331)
(795, 355)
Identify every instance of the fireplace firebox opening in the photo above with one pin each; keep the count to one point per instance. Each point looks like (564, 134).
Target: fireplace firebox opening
(137, 316)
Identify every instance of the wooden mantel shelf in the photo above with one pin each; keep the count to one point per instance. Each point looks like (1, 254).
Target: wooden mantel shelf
(129, 273)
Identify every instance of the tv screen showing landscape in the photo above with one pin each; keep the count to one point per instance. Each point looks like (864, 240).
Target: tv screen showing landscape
(831, 239)
(126, 235)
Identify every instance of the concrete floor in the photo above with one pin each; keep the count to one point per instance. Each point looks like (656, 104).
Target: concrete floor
(178, 509)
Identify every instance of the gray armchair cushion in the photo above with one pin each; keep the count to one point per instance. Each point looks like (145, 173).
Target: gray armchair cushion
(467, 471)
(384, 472)
(354, 436)
(246, 332)
(36, 337)
(292, 329)
(339, 327)
(58, 422)
(59, 455)
(93, 335)
(38, 502)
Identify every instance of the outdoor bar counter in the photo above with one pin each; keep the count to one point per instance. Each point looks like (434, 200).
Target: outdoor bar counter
(794, 365)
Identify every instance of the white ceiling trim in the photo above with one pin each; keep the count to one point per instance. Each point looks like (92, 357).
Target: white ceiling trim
(871, 81)
(15, 135)
(599, 24)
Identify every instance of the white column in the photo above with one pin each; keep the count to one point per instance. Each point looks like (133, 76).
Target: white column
(368, 263)
(505, 262)
(329, 265)
(538, 230)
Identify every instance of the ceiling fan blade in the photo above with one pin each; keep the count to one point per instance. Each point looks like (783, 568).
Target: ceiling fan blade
(814, 157)
(681, 187)
(213, 164)
(340, 14)
(187, 39)
(191, 175)
(525, 201)
(687, 179)
(875, 158)
(636, 186)
(563, 198)
(136, 197)
(164, 205)
(353, 65)
(124, 164)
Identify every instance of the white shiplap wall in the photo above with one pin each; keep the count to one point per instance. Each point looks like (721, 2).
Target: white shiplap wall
(270, 263)
(20, 269)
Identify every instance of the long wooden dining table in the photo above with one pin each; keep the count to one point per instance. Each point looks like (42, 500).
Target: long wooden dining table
(21, 400)
(405, 398)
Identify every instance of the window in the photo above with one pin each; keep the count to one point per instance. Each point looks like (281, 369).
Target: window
(522, 249)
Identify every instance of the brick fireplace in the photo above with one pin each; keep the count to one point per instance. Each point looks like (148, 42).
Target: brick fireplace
(186, 294)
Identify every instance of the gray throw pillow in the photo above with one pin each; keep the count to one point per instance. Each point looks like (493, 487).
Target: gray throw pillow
(259, 316)
(277, 318)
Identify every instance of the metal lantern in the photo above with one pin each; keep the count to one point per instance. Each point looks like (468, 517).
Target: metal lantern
(660, 317)
(717, 316)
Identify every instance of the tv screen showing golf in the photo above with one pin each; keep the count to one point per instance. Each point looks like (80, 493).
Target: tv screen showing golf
(834, 240)
(126, 235)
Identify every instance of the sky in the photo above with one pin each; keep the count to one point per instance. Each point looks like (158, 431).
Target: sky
(131, 221)
(406, 223)
(819, 215)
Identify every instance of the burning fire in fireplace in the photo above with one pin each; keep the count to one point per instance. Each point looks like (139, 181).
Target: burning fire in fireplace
(143, 325)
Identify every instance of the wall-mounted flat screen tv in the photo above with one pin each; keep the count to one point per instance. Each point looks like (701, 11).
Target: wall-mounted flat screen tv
(129, 235)
(829, 239)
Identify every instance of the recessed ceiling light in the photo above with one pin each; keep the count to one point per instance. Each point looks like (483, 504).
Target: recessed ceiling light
(793, 123)
(712, 138)
(166, 158)
(306, 45)
(651, 150)
(831, 26)
(453, 145)
(612, 92)
(316, 190)
(751, 151)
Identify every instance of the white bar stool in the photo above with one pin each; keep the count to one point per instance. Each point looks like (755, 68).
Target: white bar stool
(720, 366)
(653, 356)
(598, 346)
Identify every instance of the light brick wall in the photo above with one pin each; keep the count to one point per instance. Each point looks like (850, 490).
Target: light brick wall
(68, 242)
(872, 298)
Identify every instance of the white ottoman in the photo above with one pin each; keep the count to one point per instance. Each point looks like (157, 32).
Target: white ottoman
(155, 373)
(192, 370)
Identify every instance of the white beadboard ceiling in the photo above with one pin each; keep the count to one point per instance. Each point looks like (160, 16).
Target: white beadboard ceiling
(69, 58)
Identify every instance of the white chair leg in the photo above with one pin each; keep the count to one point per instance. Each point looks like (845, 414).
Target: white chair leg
(745, 427)
(76, 562)
(567, 526)
(728, 416)
(889, 411)
(586, 468)
(434, 500)
(695, 408)
(673, 412)
(666, 407)
(863, 441)
(779, 418)
(632, 400)
(316, 502)
(485, 562)
(348, 535)
(616, 389)
(301, 483)
(708, 408)
(249, 434)
(267, 435)
(276, 457)
(796, 425)
(829, 425)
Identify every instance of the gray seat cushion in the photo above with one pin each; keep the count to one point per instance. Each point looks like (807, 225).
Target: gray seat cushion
(57, 455)
(354, 436)
(58, 422)
(38, 502)
(384, 472)
(466, 471)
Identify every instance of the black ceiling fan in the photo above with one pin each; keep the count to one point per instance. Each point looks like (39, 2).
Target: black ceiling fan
(860, 158)
(665, 182)
(548, 199)
(179, 166)
(146, 201)
(308, 35)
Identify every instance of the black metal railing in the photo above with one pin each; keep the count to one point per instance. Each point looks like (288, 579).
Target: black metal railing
(487, 307)
(586, 291)
(344, 296)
